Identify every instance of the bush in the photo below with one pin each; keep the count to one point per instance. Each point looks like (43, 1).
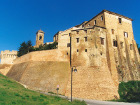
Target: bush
(129, 91)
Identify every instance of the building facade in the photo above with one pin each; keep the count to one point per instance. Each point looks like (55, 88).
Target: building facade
(106, 37)
(7, 57)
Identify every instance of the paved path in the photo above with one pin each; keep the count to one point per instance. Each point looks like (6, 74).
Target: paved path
(95, 102)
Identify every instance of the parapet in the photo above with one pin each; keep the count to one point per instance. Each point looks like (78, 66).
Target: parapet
(9, 52)
(8, 56)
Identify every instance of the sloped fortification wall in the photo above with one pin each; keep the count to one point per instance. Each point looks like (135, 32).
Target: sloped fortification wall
(45, 70)
(42, 70)
(4, 68)
(42, 75)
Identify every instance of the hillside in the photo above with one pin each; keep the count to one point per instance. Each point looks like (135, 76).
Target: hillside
(12, 92)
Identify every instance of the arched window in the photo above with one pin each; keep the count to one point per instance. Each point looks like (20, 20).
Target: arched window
(40, 37)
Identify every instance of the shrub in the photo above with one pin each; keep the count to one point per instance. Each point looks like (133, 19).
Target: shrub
(129, 91)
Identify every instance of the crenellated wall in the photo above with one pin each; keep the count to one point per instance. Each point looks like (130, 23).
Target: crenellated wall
(7, 56)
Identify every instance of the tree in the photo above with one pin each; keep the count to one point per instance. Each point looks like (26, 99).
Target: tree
(27, 47)
(24, 48)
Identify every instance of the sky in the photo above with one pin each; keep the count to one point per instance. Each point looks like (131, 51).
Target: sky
(21, 19)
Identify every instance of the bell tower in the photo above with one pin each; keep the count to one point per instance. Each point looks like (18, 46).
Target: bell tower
(39, 38)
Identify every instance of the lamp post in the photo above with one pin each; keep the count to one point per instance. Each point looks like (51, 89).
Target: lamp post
(75, 70)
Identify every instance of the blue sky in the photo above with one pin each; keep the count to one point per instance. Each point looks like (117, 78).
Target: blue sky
(21, 19)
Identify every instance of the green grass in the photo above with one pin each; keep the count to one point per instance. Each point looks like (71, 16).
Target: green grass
(12, 93)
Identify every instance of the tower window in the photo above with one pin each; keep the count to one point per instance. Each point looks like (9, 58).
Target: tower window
(77, 40)
(102, 41)
(94, 22)
(120, 20)
(40, 37)
(114, 43)
(101, 18)
(85, 50)
(85, 39)
(126, 34)
(112, 30)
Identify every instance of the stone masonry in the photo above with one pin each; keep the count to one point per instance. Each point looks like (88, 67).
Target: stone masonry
(7, 56)
(102, 49)
(108, 36)
(39, 38)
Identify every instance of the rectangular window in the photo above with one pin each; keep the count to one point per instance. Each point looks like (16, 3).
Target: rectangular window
(77, 32)
(68, 44)
(101, 18)
(112, 30)
(94, 22)
(125, 34)
(120, 20)
(77, 40)
(85, 50)
(114, 43)
(77, 50)
(102, 41)
(131, 47)
(85, 39)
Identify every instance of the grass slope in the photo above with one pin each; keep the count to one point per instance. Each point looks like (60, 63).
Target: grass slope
(14, 93)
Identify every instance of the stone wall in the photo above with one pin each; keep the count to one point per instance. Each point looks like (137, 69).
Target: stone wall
(93, 83)
(4, 68)
(44, 70)
(88, 51)
(123, 58)
(43, 76)
(100, 20)
(7, 56)
(39, 38)
(126, 55)
(46, 55)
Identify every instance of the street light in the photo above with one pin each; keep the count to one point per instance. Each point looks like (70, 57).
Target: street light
(75, 70)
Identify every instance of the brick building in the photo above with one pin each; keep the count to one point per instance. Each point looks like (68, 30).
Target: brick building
(107, 37)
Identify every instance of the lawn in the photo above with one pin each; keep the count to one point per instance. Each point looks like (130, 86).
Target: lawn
(12, 92)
